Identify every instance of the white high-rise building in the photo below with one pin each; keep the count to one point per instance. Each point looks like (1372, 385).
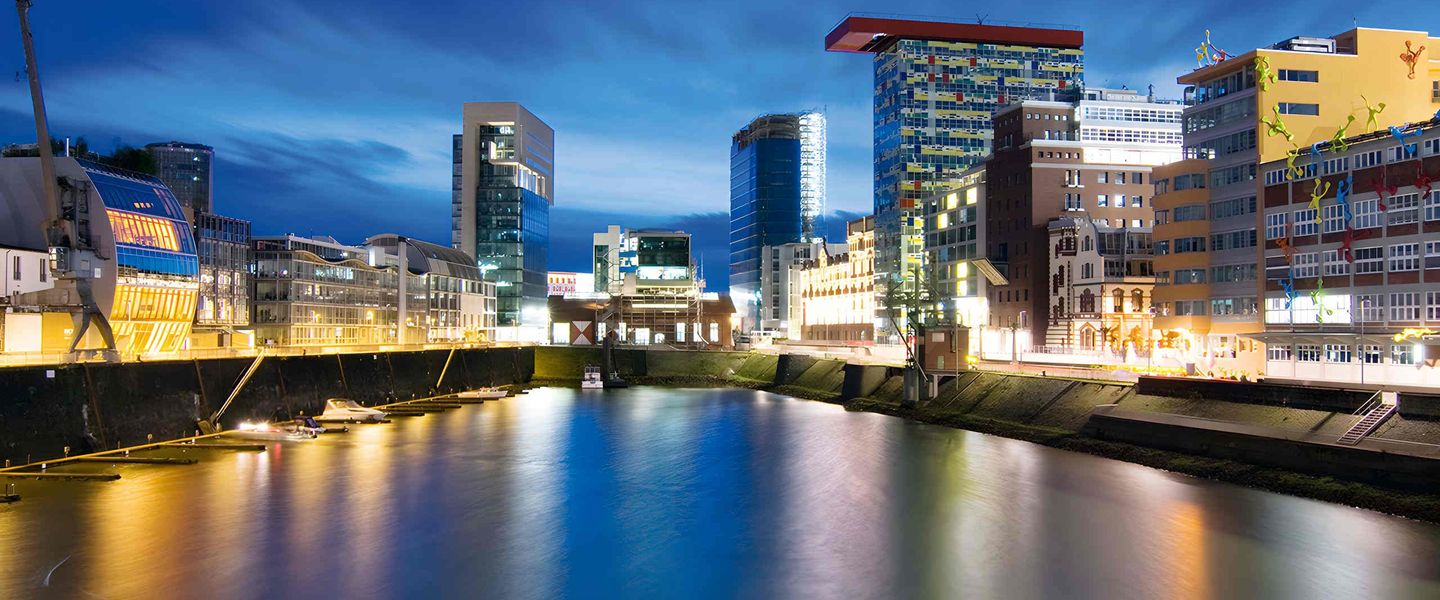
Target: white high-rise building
(812, 175)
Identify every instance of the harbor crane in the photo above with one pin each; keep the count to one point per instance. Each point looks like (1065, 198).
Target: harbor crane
(74, 259)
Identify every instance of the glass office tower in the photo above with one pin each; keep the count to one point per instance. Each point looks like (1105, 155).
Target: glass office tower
(777, 193)
(185, 169)
(501, 209)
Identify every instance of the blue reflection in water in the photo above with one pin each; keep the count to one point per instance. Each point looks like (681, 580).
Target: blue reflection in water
(655, 492)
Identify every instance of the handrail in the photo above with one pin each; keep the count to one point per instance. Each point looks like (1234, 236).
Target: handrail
(1366, 407)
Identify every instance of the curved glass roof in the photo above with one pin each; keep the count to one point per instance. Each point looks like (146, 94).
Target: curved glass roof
(134, 192)
(169, 252)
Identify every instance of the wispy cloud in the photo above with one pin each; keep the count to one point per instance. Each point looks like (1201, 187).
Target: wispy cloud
(335, 116)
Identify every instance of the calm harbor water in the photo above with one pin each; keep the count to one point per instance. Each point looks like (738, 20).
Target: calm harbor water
(654, 492)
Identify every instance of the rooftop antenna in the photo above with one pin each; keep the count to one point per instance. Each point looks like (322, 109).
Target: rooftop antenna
(980, 19)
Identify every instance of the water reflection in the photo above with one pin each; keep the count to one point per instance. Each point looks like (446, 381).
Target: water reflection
(694, 493)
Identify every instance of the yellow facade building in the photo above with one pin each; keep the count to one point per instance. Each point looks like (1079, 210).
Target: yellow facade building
(1259, 106)
(837, 292)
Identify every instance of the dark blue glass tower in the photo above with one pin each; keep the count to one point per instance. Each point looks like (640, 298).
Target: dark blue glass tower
(765, 206)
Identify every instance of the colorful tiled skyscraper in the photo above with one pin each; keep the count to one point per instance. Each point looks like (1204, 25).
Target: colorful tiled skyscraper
(936, 86)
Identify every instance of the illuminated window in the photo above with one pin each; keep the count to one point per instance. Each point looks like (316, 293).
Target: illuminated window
(142, 230)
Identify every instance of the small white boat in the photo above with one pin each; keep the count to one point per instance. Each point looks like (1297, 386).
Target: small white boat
(340, 410)
(592, 379)
(488, 393)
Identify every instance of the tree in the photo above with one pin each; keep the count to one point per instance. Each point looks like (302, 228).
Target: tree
(134, 159)
(918, 298)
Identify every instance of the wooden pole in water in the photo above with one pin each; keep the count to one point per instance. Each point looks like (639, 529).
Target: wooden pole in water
(344, 384)
(444, 369)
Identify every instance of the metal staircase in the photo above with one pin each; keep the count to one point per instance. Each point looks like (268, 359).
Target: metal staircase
(1376, 411)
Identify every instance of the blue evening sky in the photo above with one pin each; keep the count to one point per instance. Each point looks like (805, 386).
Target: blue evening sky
(335, 116)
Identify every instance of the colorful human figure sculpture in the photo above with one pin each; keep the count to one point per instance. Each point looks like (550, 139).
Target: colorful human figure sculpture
(1381, 189)
(1289, 250)
(1410, 57)
(1288, 284)
(1337, 141)
(1347, 244)
(1292, 170)
(1322, 188)
(1317, 297)
(1263, 75)
(1422, 180)
(1371, 123)
(1399, 134)
(1342, 194)
(1208, 53)
(1275, 126)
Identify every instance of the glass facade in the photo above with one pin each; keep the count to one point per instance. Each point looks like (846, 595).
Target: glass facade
(309, 293)
(185, 169)
(224, 253)
(662, 258)
(501, 196)
(764, 203)
(512, 232)
(777, 193)
(155, 256)
(932, 111)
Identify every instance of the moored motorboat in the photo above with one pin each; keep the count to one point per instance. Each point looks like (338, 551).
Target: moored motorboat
(486, 393)
(340, 410)
(592, 380)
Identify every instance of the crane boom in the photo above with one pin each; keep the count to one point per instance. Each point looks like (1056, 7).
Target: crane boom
(42, 128)
(59, 238)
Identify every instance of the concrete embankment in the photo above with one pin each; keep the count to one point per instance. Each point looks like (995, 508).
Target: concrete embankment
(100, 406)
(1281, 439)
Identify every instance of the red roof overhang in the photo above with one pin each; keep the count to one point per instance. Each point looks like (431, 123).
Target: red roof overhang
(869, 34)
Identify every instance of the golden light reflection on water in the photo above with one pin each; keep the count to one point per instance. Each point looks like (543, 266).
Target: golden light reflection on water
(664, 488)
(1189, 559)
(364, 485)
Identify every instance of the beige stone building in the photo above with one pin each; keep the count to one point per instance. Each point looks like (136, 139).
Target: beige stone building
(837, 291)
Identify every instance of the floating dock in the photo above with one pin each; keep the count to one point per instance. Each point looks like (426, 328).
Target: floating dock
(218, 446)
(61, 476)
(138, 460)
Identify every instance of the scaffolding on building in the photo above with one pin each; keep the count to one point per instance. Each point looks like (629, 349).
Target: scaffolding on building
(812, 175)
(660, 315)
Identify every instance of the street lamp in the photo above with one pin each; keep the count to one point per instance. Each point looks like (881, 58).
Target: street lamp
(1015, 338)
(1364, 355)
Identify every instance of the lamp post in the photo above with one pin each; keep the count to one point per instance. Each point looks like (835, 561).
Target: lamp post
(1015, 338)
(1364, 356)
(1151, 341)
(955, 337)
